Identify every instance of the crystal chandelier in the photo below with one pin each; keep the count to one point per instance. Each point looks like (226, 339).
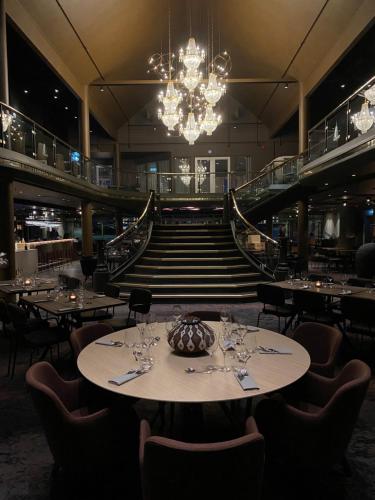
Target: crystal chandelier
(185, 169)
(364, 119)
(191, 130)
(191, 79)
(201, 173)
(370, 94)
(192, 57)
(210, 121)
(214, 90)
(6, 120)
(170, 120)
(171, 99)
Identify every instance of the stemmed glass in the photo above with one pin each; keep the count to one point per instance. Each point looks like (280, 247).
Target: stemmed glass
(226, 343)
(343, 281)
(177, 313)
(241, 332)
(290, 276)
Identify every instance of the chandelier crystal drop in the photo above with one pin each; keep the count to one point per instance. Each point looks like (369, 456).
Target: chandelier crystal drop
(210, 121)
(192, 56)
(191, 130)
(364, 119)
(6, 120)
(214, 90)
(370, 94)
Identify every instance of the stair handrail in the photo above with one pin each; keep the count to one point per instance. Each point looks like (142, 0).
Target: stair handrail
(236, 215)
(135, 224)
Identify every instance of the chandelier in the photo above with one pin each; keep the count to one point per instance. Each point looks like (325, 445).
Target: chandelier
(201, 171)
(364, 119)
(189, 100)
(370, 94)
(185, 169)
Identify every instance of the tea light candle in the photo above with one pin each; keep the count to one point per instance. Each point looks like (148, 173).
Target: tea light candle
(72, 296)
(318, 284)
(27, 282)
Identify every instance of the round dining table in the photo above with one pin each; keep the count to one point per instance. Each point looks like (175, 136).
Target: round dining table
(168, 380)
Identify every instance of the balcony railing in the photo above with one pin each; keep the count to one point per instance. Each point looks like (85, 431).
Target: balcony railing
(23, 135)
(335, 130)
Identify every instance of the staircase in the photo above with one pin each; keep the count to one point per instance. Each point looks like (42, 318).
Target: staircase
(193, 262)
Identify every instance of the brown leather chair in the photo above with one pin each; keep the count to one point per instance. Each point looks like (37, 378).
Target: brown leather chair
(173, 469)
(83, 336)
(322, 342)
(83, 438)
(314, 432)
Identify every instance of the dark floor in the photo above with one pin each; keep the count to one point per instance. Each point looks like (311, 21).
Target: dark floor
(26, 463)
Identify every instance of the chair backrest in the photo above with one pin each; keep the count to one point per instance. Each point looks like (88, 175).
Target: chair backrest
(343, 408)
(140, 300)
(271, 295)
(18, 316)
(52, 402)
(4, 313)
(112, 290)
(83, 336)
(322, 342)
(69, 282)
(207, 315)
(309, 302)
(358, 310)
(88, 264)
(184, 471)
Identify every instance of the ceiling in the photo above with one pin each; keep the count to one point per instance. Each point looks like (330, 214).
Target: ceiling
(276, 39)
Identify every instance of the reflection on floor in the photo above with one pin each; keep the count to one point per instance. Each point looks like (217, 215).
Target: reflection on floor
(26, 463)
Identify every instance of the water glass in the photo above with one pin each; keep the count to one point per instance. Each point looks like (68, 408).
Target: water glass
(142, 356)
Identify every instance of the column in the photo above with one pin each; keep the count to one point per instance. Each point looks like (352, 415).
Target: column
(302, 120)
(85, 122)
(4, 84)
(7, 243)
(119, 224)
(86, 224)
(303, 237)
(116, 165)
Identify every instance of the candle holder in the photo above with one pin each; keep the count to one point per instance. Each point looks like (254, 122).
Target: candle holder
(27, 282)
(72, 296)
(318, 284)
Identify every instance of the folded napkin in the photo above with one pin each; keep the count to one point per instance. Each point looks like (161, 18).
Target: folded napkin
(229, 345)
(125, 377)
(109, 343)
(246, 381)
(38, 301)
(345, 292)
(270, 350)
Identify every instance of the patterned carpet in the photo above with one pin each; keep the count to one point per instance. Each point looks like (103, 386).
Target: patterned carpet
(26, 463)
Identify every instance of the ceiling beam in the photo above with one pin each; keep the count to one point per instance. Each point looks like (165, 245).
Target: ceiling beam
(117, 83)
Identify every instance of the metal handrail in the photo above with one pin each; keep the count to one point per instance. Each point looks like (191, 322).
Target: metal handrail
(247, 223)
(133, 226)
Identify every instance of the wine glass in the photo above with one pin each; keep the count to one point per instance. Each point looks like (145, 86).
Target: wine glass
(226, 344)
(343, 281)
(241, 332)
(177, 313)
(212, 348)
(142, 355)
(224, 315)
(290, 276)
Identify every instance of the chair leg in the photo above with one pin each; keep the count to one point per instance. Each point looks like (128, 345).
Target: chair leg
(14, 359)
(259, 317)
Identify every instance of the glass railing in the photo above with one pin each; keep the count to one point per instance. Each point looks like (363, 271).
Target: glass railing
(22, 135)
(125, 249)
(335, 130)
(261, 250)
(338, 127)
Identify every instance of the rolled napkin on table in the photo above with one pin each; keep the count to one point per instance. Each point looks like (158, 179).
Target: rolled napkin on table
(125, 377)
(270, 350)
(114, 343)
(245, 380)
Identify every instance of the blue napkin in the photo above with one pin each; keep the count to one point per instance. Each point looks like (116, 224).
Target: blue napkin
(125, 377)
(246, 381)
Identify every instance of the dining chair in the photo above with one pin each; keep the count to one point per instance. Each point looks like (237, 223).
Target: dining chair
(273, 299)
(81, 337)
(37, 335)
(89, 443)
(313, 307)
(322, 342)
(88, 265)
(119, 323)
(359, 315)
(207, 315)
(139, 302)
(176, 469)
(365, 282)
(313, 431)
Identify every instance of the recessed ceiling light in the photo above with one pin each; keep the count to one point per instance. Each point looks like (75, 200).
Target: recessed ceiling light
(326, 183)
(66, 107)
(76, 117)
(55, 97)
(344, 204)
(286, 85)
(25, 91)
(342, 85)
(56, 91)
(354, 175)
(101, 89)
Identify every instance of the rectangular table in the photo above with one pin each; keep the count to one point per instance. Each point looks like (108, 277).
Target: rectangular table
(333, 290)
(10, 287)
(62, 307)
